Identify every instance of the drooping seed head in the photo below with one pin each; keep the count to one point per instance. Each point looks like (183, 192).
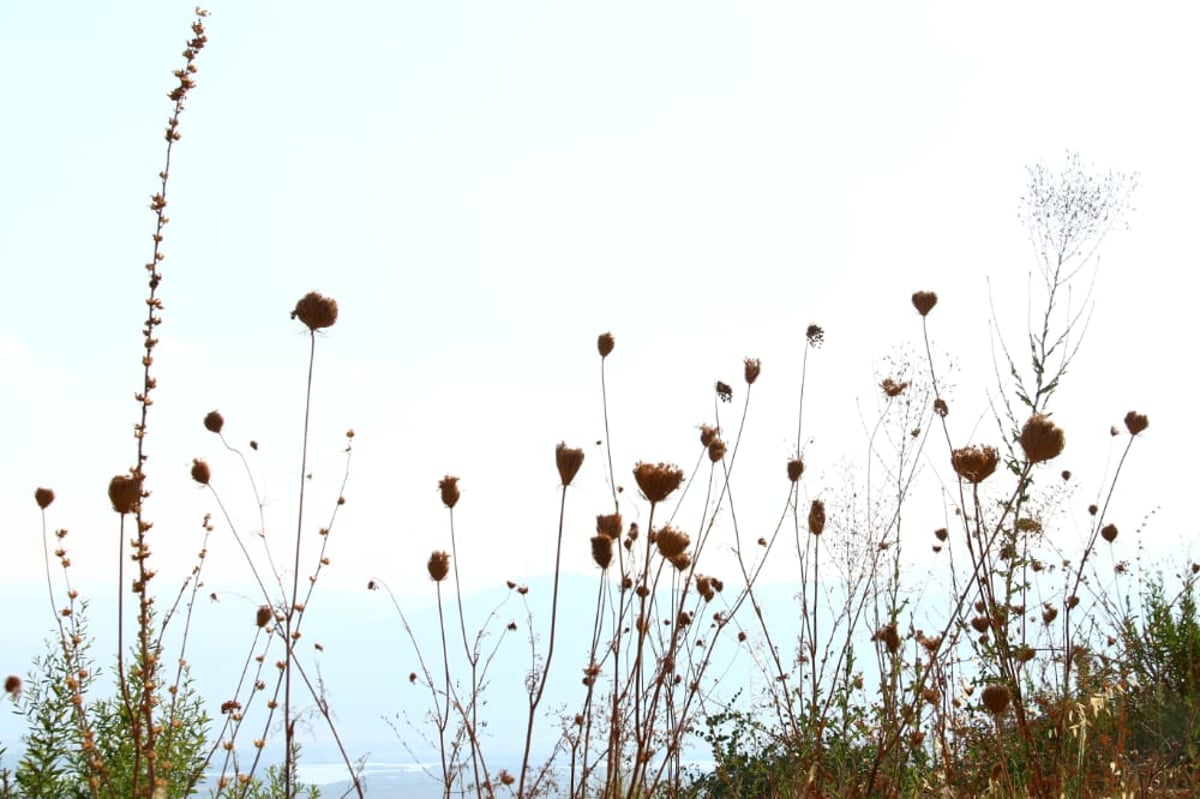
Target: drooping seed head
(200, 471)
(43, 497)
(1136, 422)
(1041, 439)
(439, 566)
(924, 301)
(605, 344)
(214, 421)
(125, 493)
(753, 367)
(568, 461)
(816, 517)
(996, 698)
(657, 481)
(448, 486)
(316, 311)
(975, 463)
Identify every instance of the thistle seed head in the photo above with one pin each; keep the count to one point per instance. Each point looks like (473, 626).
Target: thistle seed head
(924, 301)
(1041, 439)
(568, 461)
(316, 311)
(43, 497)
(975, 464)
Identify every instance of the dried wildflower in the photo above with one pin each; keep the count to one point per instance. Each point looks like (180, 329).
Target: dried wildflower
(941, 533)
(657, 481)
(940, 407)
(214, 421)
(795, 468)
(506, 778)
(200, 471)
(716, 450)
(602, 550)
(1136, 422)
(43, 497)
(448, 486)
(981, 624)
(1093, 510)
(316, 311)
(12, 685)
(125, 493)
(996, 698)
(1049, 613)
(890, 637)
(681, 561)
(815, 335)
(609, 525)
(568, 461)
(891, 388)
(263, 617)
(1024, 653)
(439, 566)
(924, 301)
(1066, 474)
(724, 392)
(816, 517)
(753, 366)
(931, 644)
(605, 344)
(704, 587)
(1041, 439)
(1109, 532)
(1027, 525)
(708, 434)
(975, 464)
(671, 542)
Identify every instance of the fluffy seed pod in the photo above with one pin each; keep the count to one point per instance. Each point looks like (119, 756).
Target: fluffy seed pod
(263, 616)
(448, 486)
(43, 497)
(795, 468)
(996, 698)
(924, 301)
(1041, 439)
(1109, 532)
(439, 566)
(671, 542)
(753, 366)
(816, 517)
(602, 550)
(125, 493)
(1136, 422)
(657, 481)
(214, 421)
(200, 471)
(316, 311)
(605, 344)
(609, 525)
(975, 464)
(568, 461)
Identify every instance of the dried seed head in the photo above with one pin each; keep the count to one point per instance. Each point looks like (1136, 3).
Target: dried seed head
(605, 344)
(568, 461)
(940, 407)
(214, 421)
(681, 561)
(816, 517)
(602, 550)
(724, 392)
(975, 464)
(716, 450)
(981, 624)
(1136, 422)
(795, 468)
(1024, 653)
(1041, 439)
(609, 525)
(996, 698)
(448, 486)
(1093, 510)
(704, 587)
(43, 497)
(439, 566)
(890, 637)
(316, 311)
(753, 368)
(12, 685)
(1109, 532)
(941, 533)
(924, 301)
(200, 471)
(1049, 613)
(815, 335)
(125, 493)
(708, 434)
(891, 388)
(263, 617)
(657, 481)
(671, 542)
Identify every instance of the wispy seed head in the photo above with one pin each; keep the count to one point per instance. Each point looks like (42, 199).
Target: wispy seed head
(924, 301)
(125, 493)
(753, 366)
(43, 497)
(448, 485)
(975, 464)
(657, 481)
(200, 471)
(316, 311)
(1136, 422)
(214, 421)
(568, 461)
(439, 566)
(605, 344)
(1042, 439)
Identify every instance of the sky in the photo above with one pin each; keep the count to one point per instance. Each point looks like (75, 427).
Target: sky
(484, 188)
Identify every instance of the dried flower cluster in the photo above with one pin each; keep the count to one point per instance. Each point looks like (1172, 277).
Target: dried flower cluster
(815, 335)
(439, 566)
(605, 344)
(816, 517)
(996, 698)
(753, 366)
(200, 471)
(1041, 439)
(891, 388)
(448, 486)
(671, 542)
(43, 497)
(1136, 422)
(316, 311)
(975, 464)
(602, 550)
(795, 468)
(657, 481)
(568, 461)
(609, 525)
(125, 493)
(924, 301)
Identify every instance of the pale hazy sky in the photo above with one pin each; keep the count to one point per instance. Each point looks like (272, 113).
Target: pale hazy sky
(486, 187)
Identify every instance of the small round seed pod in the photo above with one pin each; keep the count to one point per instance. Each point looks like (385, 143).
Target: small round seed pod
(200, 471)
(43, 497)
(996, 698)
(1041, 439)
(263, 616)
(924, 301)
(439, 566)
(1109, 532)
(214, 421)
(448, 486)
(125, 493)
(316, 311)
(605, 344)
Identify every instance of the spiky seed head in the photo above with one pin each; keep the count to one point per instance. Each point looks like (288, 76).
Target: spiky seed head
(1136, 422)
(609, 525)
(924, 301)
(1041, 439)
(996, 698)
(316, 311)
(1109, 532)
(214, 421)
(940, 407)
(753, 367)
(816, 517)
(602, 550)
(200, 471)
(708, 434)
(795, 468)
(125, 493)
(815, 335)
(671, 542)
(263, 616)
(657, 481)
(568, 461)
(448, 486)
(716, 450)
(605, 344)
(12, 685)
(975, 464)
(43, 497)
(439, 566)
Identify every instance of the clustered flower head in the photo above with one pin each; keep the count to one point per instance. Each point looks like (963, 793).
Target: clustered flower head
(43, 497)
(1109, 532)
(975, 464)
(1042, 439)
(708, 433)
(1136, 422)
(316, 311)
(609, 525)
(716, 450)
(657, 481)
(125, 493)
(448, 486)
(924, 301)
(439, 566)
(724, 391)
(671, 542)
(753, 368)
(568, 461)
